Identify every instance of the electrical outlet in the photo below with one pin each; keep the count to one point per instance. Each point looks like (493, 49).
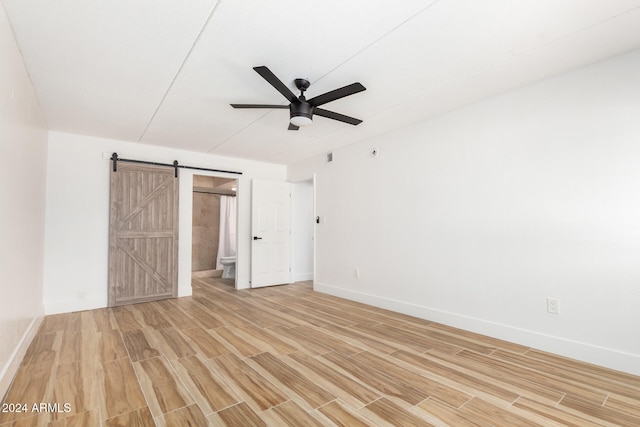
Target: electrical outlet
(553, 305)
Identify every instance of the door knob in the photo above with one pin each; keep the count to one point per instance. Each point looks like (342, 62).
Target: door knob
(257, 238)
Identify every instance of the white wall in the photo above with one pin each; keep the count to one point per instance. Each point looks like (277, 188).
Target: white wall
(474, 218)
(302, 224)
(23, 151)
(77, 220)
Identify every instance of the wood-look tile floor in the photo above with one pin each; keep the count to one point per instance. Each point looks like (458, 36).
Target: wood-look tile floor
(288, 356)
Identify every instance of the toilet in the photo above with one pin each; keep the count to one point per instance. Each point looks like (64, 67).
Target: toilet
(228, 267)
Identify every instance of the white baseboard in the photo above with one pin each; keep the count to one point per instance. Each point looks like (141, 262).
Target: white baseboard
(71, 306)
(11, 368)
(610, 358)
(301, 277)
(93, 303)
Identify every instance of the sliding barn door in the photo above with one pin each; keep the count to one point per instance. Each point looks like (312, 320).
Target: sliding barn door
(143, 235)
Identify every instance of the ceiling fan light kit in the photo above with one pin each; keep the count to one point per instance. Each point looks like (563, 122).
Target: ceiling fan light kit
(300, 120)
(301, 111)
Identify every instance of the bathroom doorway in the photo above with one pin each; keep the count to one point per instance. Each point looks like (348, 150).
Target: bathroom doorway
(214, 241)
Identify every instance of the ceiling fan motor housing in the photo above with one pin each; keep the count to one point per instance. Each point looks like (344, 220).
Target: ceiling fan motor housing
(301, 109)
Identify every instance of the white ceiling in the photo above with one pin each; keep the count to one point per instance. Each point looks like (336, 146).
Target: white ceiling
(163, 72)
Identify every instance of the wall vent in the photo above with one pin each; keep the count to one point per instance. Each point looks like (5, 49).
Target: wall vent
(329, 157)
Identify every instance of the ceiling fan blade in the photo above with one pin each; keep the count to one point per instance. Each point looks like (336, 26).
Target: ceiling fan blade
(276, 83)
(293, 127)
(259, 106)
(337, 94)
(336, 116)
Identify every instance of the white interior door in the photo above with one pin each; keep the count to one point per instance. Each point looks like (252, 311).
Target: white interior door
(271, 233)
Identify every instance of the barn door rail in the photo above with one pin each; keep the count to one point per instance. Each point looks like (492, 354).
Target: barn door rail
(115, 159)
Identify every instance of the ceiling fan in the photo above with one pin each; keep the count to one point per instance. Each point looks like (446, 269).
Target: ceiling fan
(301, 110)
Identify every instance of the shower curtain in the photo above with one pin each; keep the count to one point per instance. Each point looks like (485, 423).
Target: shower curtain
(227, 242)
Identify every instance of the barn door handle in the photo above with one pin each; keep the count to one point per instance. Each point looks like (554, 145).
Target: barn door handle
(257, 238)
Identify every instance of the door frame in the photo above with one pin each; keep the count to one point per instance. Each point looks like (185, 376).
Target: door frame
(186, 207)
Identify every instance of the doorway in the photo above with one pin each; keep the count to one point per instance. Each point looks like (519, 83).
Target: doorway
(214, 240)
